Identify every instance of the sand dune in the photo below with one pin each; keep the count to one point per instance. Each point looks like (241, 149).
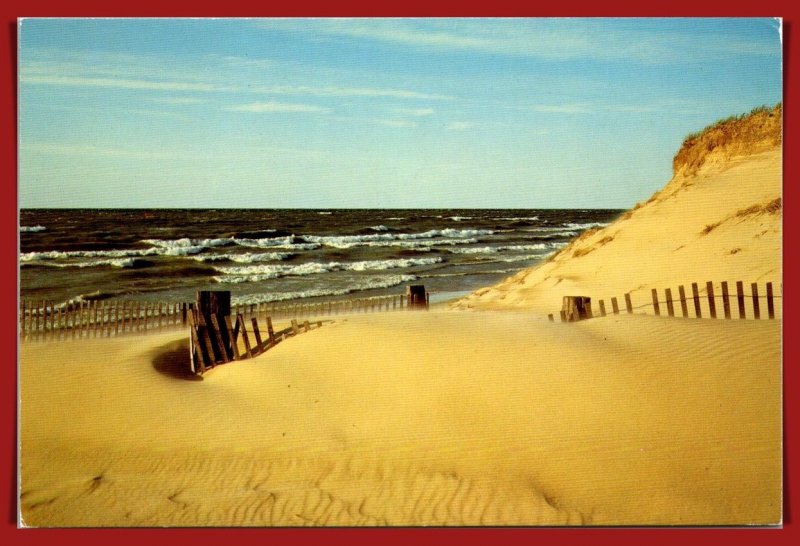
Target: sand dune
(443, 418)
(722, 223)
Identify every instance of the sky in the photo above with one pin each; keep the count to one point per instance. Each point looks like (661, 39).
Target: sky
(375, 113)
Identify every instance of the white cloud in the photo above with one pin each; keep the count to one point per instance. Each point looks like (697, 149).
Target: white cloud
(561, 108)
(178, 100)
(81, 81)
(413, 112)
(460, 125)
(394, 122)
(46, 148)
(277, 107)
(545, 38)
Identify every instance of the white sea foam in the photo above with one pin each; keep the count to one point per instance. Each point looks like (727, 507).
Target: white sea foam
(517, 218)
(283, 243)
(396, 218)
(258, 273)
(60, 255)
(460, 218)
(245, 258)
(186, 246)
(114, 262)
(379, 228)
(338, 240)
(571, 225)
(31, 229)
(381, 281)
(496, 249)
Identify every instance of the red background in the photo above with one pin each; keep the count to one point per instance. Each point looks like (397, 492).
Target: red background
(164, 8)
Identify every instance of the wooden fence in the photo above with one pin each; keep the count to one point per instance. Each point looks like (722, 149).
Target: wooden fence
(709, 302)
(218, 342)
(46, 319)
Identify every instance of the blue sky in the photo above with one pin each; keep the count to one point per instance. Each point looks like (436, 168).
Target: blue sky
(375, 113)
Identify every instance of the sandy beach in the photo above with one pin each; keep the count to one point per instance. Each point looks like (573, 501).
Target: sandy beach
(478, 413)
(443, 418)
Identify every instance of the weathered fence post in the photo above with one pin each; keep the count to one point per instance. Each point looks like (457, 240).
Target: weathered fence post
(670, 306)
(245, 337)
(656, 308)
(770, 302)
(602, 308)
(740, 298)
(416, 296)
(628, 304)
(270, 331)
(712, 305)
(682, 295)
(726, 304)
(614, 306)
(696, 298)
(550, 317)
(576, 308)
(256, 334)
(756, 303)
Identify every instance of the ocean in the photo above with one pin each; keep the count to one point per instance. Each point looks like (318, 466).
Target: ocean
(267, 255)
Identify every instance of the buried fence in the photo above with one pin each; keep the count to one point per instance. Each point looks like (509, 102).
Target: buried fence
(104, 318)
(752, 304)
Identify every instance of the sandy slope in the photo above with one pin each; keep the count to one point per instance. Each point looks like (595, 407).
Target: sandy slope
(663, 244)
(412, 418)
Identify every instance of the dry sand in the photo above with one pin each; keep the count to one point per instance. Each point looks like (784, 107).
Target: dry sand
(448, 417)
(414, 418)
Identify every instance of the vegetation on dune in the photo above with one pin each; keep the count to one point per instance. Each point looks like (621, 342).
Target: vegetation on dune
(749, 133)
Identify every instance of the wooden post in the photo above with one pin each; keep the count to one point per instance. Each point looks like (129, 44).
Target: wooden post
(628, 304)
(270, 331)
(22, 310)
(576, 308)
(306, 326)
(563, 316)
(550, 317)
(256, 334)
(223, 351)
(232, 338)
(712, 305)
(756, 303)
(183, 313)
(202, 331)
(770, 302)
(602, 308)
(295, 328)
(670, 306)
(682, 295)
(195, 350)
(614, 306)
(726, 304)
(740, 298)
(656, 308)
(417, 296)
(245, 337)
(696, 298)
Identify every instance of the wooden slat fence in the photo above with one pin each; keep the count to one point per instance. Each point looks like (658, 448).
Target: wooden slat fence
(714, 300)
(209, 348)
(47, 320)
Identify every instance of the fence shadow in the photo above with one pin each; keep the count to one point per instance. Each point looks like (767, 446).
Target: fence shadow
(171, 359)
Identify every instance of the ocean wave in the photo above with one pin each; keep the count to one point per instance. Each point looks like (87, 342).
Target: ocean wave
(113, 262)
(70, 254)
(244, 258)
(258, 273)
(460, 218)
(379, 228)
(31, 229)
(290, 242)
(186, 246)
(571, 225)
(516, 218)
(374, 283)
(505, 248)
(338, 240)
(396, 218)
